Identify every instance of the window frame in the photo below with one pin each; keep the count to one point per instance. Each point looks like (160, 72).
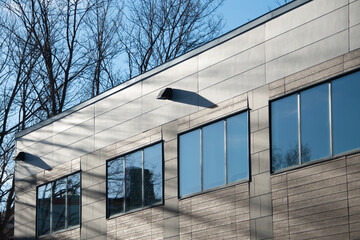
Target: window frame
(298, 92)
(67, 228)
(108, 216)
(226, 185)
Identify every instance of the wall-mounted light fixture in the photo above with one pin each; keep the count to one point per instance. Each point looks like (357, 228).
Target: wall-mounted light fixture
(20, 156)
(165, 94)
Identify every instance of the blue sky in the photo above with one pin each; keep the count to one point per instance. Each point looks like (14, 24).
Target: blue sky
(239, 12)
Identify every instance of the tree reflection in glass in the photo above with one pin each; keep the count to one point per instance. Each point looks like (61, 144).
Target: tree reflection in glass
(133, 180)
(73, 207)
(346, 113)
(141, 184)
(315, 126)
(115, 181)
(58, 204)
(153, 174)
(43, 209)
(284, 133)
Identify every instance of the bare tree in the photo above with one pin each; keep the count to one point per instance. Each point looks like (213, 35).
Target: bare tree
(160, 30)
(55, 29)
(13, 68)
(282, 2)
(103, 33)
(51, 50)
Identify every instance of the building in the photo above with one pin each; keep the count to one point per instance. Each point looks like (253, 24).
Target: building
(254, 135)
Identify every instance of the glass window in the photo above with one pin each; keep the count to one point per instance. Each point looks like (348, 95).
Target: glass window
(214, 155)
(133, 180)
(153, 184)
(58, 205)
(190, 162)
(284, 133)
(73, 195)
(115, 186)
(346, 113)
(43, 209)
(237, 148)
(142, 183)
(322, 133)
(315, 127)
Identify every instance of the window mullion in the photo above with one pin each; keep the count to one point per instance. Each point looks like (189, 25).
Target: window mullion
(142, 181)
(299, 127)
(51, 205)
(330, 121)
(201, 159)
(66, 203)
(124, 184)
(225, 153)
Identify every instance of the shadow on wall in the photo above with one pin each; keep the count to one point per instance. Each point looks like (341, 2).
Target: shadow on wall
(36, 161)
(192, 98)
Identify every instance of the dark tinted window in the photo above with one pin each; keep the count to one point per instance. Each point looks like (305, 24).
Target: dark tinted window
(43, 209)
(153, 174)
(58, 205)
(115, 186)
(135, 180)
(73, 210)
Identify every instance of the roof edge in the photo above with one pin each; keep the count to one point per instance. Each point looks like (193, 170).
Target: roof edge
(213, 43)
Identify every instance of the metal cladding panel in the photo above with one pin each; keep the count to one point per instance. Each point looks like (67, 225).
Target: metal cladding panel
(308, 33)
(231, 67)
(33, 137)
(301, 15)
(232, 47)
(118, 99)
(236, 85)
(118, 115)
(354, 13)
(354, 37)
(76, 118)
(169, 76)
(308, 56)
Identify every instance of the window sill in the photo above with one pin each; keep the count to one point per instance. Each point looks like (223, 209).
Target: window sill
(58, 232)
(318, 161)
(214, 189)
(135, 210)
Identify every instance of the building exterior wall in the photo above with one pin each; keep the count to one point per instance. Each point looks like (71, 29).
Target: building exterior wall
(313, 42)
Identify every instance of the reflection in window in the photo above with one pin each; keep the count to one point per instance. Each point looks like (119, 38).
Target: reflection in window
(73, 204)
(43, 209)
(315, 125)
(237, 145)
(142, 183)
(115, 186)
(214, 155)
(190, 162)
(323, 119)
(346, 113)
(284, 137)
(153, 174)
(213, 149)
(58, 205)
